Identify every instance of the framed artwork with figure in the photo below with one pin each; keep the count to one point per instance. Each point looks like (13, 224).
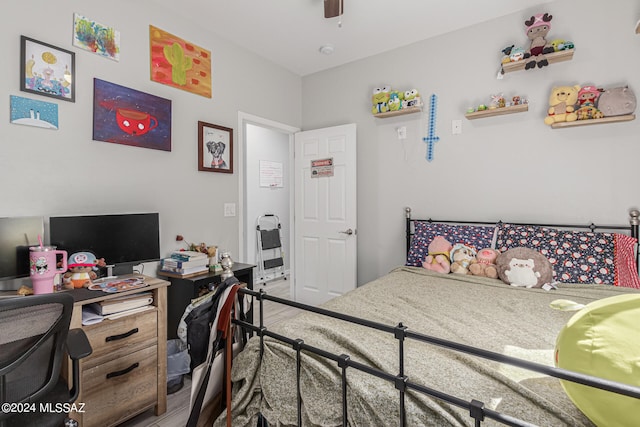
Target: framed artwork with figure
(47, 70)
(215, 148)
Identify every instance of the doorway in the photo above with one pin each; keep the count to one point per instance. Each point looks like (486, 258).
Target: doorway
(266, 188)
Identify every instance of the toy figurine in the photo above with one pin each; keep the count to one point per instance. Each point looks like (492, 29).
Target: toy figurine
(380, 99)
(538, 27)
(81, 269)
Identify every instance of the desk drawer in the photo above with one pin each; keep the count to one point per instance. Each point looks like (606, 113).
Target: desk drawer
(116, 338)
(119, 389)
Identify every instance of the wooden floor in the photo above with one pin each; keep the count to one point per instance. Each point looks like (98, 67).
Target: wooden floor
(178, 403)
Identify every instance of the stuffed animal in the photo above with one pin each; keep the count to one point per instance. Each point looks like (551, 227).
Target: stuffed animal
(395, 102)
(438, 257)
(561, 104)
(380, 99)
(538, 27)
(524, 267)
(485, 264)
(517, 54)
(81, 267)
(411, 99)
(507, 54)
(617, 101)
(587, 97)
(461, 257)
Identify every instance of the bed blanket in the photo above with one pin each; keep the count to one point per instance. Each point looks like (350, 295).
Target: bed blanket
(477, 311)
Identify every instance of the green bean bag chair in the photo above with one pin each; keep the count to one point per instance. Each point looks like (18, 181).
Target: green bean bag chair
(603, 340)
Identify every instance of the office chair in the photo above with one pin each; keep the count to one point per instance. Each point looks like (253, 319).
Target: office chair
(34, 335)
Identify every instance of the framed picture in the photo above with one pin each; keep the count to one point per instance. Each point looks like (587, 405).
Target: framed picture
(179, 63)
(130, 117)
(215, 148)
(47, 70)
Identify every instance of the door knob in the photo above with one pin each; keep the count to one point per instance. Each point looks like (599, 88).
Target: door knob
(348, 232)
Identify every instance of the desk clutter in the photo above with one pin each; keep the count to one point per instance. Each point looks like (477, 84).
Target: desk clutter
(115, 308)
(185, 263)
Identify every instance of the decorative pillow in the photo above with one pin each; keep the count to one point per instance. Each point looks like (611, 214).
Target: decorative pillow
(476, 236)
(525, 267)
(577, 256)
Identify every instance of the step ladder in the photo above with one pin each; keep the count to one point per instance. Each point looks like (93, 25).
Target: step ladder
(270, 254)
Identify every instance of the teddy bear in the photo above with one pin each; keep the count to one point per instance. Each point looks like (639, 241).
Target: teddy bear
(438, 256)
(461, 257)
(562, 103)
(485, 263)
(81, 267)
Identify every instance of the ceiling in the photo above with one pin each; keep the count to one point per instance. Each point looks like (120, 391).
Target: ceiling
(291, 32)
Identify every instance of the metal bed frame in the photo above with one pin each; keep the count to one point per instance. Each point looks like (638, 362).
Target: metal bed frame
(477, 410)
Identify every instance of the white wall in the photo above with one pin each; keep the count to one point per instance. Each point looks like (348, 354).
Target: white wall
(510, 167)
(65, 172)
(266, 145)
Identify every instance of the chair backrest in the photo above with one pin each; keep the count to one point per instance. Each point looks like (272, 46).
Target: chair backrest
(33, 332)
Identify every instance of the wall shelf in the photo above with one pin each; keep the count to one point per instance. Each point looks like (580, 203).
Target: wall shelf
(408, 110)
(498, 111)
(560, 56)
(613, 119)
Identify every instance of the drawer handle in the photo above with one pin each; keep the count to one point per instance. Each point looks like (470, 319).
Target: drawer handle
(124, 371)
(121, 336)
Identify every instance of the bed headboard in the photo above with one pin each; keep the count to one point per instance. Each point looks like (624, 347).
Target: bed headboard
(632, 229)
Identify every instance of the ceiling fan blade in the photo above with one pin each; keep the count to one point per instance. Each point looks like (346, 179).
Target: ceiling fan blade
(333, 8)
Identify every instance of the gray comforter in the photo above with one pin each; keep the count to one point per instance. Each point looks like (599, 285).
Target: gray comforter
(480, 312)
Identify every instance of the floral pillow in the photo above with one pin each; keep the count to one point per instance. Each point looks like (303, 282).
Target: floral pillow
(472, 235)
(577, 256)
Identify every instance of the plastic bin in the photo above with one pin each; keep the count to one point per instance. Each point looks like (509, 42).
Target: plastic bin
(178, 362)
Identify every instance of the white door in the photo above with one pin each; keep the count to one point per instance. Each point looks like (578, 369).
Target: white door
(325, 213)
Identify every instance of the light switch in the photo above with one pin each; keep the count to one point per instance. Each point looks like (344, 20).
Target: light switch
(229, 209)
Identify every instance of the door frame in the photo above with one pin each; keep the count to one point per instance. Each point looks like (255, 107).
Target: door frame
(244, 226)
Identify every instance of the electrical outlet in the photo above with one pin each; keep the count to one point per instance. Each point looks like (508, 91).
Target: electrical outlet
(456, 127)
(229, 209)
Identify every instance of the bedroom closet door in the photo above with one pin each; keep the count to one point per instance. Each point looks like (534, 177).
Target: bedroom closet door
(325, 213)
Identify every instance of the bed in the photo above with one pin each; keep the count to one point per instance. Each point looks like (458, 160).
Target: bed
(420, 348)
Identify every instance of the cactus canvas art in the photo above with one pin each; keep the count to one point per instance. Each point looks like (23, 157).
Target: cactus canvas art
(179, 63)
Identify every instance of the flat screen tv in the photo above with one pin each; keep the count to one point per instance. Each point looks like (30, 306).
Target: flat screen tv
(16, 235)
(123, 240)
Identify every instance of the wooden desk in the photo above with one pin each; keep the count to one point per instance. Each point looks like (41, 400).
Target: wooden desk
(127, 372)
(184, 289)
